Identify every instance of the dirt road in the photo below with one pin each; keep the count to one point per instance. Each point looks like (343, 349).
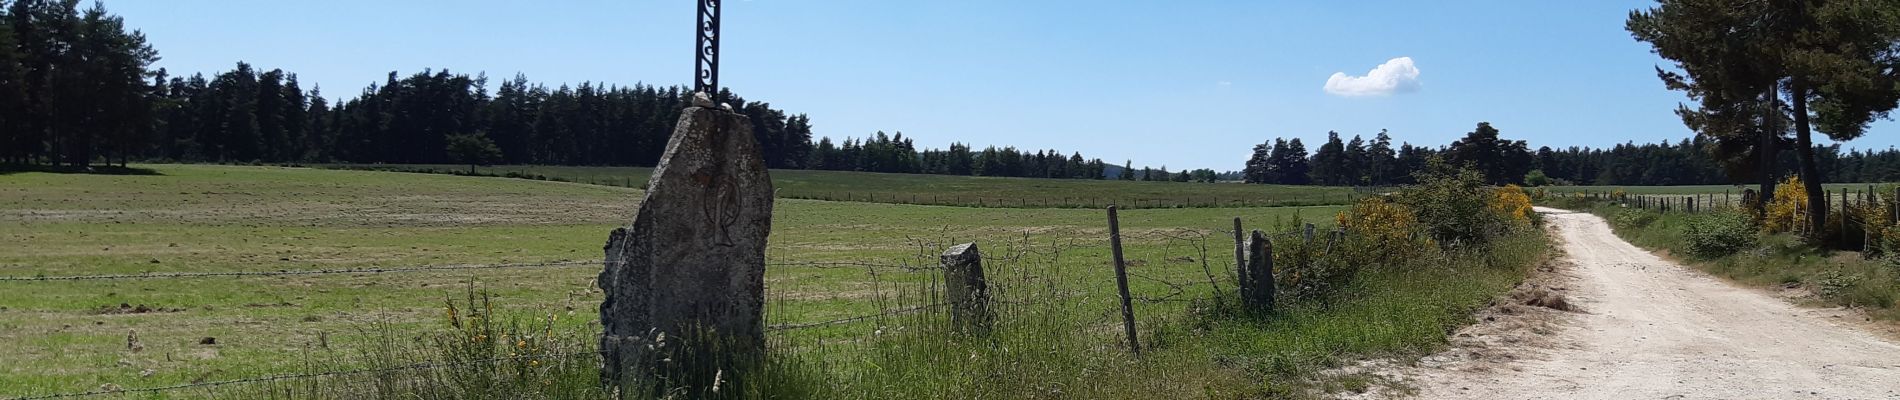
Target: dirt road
(1651, 329)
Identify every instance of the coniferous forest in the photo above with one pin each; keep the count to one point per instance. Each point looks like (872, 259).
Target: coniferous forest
(1356, 161)
(77, 88)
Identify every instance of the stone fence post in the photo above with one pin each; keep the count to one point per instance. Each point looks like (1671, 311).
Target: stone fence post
(965, 288)
(1256, 276)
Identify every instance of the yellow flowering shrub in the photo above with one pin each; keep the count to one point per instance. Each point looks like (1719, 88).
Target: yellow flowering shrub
(1511, 202)
(1618, 194)
(1882, 238)
(1390, 227)
(1783, 213)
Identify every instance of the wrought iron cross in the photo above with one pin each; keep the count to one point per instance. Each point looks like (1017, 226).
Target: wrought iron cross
(706, 62)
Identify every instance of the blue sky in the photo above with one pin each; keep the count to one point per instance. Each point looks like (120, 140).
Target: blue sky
(1186, 84)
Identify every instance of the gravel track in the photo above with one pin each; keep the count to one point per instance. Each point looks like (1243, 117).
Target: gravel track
(1652, 329)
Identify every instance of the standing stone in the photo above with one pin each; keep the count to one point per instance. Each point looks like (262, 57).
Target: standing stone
(966, 289)
(1256, 276)
(686, 282)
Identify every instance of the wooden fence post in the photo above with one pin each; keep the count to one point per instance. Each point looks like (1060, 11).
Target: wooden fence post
(1240, 262)
(1121, 280)
(1840, 231)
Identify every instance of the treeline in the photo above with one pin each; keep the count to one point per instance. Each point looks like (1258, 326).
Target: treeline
(1147, 174)
(1687, 162)
(246, 115)
(76, 89)
(897, 154)
(1359, 162)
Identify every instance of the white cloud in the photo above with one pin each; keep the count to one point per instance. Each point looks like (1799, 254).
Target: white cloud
(1397, 75)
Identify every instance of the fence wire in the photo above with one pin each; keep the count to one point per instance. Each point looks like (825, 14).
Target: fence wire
(273, 378)
(846, 320)
(1011, 253)
(422, 268)
(363, 270)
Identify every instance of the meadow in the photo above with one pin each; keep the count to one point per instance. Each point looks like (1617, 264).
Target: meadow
(964, 191)
(829, 262)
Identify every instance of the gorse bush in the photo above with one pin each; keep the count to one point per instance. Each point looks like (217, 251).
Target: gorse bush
(1390, 228)
(1719, 234)
(1784, 209)
(1883, 239)
(1511, 202)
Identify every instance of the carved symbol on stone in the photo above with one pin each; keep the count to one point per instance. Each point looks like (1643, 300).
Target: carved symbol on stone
(723, 210)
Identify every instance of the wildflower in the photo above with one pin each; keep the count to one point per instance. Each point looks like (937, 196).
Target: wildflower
(534, 363)
(521, 344)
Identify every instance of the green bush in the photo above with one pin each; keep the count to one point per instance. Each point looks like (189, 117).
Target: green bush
(1319, 268)
(1454, 205)
(1632, 218)
(1719, 234)
(1536, 178)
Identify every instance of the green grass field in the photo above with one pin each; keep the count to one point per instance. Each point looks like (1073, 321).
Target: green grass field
(967, 191)
(72, 336)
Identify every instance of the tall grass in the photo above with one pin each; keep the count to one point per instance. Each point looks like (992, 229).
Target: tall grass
(1055, 336)
(1057, 331)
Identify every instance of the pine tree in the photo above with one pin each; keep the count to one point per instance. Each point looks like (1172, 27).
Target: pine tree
(14, 142)
(1381, 161)
(1501, 161)
(1256, 170)
(1329, 163)
(1291, 166)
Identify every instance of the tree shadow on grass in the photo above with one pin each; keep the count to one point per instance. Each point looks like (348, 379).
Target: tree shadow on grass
(9, 169)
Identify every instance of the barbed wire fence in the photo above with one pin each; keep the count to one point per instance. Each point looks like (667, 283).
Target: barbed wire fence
(1018, 263)
(309, 375)
(1853, 219)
